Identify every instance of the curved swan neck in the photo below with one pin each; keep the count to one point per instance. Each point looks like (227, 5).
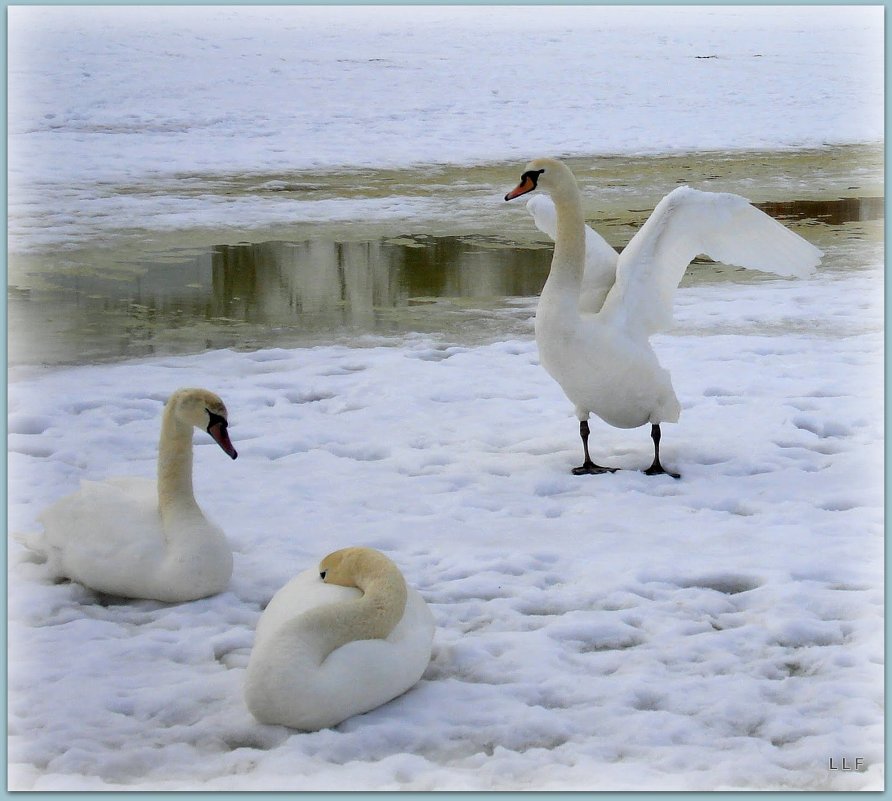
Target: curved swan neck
(175, 492)
(568, 261)
(371, 616)
(383, 601)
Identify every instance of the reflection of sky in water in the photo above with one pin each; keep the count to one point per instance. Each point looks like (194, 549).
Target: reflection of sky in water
(270, 293)
(298, 293)
(277, 282)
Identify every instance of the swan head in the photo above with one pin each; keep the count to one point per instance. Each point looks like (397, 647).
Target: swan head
(351, 565)
(203, 409)
(381, 582)
(549, 175)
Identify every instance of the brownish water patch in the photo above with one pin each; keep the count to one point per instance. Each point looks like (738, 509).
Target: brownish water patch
(832, 212)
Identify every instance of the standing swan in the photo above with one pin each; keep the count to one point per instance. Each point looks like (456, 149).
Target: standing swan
(137, 538)
(338, 641)
(597, 310)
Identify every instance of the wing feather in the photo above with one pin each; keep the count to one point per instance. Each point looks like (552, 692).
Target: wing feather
(685, 224)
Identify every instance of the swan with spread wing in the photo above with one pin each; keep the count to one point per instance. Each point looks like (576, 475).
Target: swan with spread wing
(598, 309)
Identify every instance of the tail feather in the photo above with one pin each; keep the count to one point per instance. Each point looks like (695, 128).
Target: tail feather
(35, 543)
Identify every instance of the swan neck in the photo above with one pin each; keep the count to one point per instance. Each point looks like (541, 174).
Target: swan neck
(568, 261)
(175, 494)
(371, 616)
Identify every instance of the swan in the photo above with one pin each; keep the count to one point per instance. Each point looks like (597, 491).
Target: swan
(138, 538)
(338, 641)
(598, 308)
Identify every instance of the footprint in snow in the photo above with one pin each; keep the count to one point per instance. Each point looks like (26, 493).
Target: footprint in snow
(308, 396)
(346, 369)
(822, 447)
(823, 430)
(27, 424)
(726, 583)
(360, 453)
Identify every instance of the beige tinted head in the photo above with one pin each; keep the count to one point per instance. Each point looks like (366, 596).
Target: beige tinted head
(203, 409)
(541, 173)
(348, 565)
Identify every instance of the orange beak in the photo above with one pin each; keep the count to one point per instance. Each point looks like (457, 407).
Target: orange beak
(526, 185)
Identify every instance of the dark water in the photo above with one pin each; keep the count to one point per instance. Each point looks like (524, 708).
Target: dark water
(309, 292)
(288, 293)
(831, 212)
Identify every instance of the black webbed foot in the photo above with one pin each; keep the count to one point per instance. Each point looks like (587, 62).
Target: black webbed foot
(656, 469)
(589, 468)
(659, 470)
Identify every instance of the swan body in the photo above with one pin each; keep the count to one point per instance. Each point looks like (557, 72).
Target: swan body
(338, 641)
(139, 538)
(598, 308)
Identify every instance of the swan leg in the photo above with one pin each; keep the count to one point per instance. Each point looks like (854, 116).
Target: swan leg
(588, 467)
(656, 468)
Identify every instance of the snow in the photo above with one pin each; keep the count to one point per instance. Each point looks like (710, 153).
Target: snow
(104, 100)
(616, 632)
(722, 631)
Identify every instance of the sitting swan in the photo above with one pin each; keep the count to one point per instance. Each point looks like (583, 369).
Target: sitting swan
(598, 309)
(338, 641)
(137, 538)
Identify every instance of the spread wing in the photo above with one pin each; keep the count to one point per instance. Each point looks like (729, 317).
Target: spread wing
(600, 258)
(686, 223)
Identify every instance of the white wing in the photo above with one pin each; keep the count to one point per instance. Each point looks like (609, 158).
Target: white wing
(686, 223)
(600, 258)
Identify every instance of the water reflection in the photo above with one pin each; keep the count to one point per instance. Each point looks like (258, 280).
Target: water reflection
(280, 281)
(298, 293)
(349, 283)
(289, 293)
(832, 212)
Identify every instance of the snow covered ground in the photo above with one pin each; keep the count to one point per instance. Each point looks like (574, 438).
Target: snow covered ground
(120, 117)
(723, 631)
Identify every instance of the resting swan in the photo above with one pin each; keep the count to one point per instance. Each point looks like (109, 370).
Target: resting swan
(338, 641)
(138, 538)
(598, 309)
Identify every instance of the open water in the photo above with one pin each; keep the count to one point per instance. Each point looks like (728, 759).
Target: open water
(469, 278)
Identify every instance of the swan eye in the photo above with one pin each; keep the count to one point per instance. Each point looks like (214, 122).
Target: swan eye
(322, 574)
(215, 420)
(533, 176)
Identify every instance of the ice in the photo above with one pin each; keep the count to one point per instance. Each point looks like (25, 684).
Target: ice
(615, 632)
